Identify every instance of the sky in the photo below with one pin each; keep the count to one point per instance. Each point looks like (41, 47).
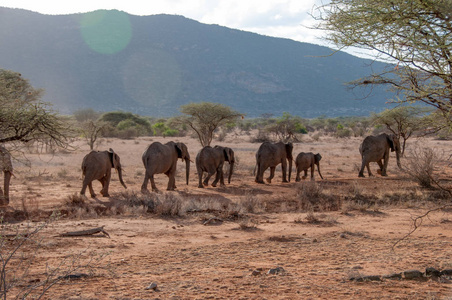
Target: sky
(277, 18)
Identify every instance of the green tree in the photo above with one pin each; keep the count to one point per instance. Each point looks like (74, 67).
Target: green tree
(24, 117)
(286, 127)
(415, 35)
(205, 117)
(403, 121)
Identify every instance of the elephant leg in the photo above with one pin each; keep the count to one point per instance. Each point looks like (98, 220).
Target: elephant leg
(144, 186)
(154, 188)
(171, 182)
(312, 173)
(385, 166)
(3, 201)
(260, 174)
(91, 190)
(297, 178)
(361, 171)
(272, 174)
(284, 171)
(305, 171)
(105, 183)
(200, 173)
(206, 180)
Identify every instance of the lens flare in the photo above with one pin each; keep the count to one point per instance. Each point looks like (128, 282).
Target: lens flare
(106, 32)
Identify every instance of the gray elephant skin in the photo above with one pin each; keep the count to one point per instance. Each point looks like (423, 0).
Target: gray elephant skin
(162, 158)
(304, 161)
(211, 160)
(98, 165)
(7, 168)
(270, 155)
(376, 149)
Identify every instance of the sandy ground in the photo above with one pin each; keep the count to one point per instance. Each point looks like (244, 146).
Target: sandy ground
(230, 259)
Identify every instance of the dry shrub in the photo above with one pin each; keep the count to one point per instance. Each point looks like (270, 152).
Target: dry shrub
(169, 204)
(311, 197)
(251, 204)
(422, 166)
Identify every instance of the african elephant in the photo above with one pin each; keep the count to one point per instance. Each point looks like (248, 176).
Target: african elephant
(98, 165)
(375, 149)
(304, 161)
(211, 160)
(7, 168)
(270, 155)
(159, 158)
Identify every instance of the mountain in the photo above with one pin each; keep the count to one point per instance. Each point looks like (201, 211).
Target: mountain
(150, 65)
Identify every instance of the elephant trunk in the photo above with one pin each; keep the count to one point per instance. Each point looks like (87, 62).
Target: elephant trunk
(7, 180)
(398, 158)
(187, 169)
(231, 168)
(120, 177)
(318, 169)
(290, 168)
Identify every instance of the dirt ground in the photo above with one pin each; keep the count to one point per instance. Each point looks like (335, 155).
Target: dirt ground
(229, 258)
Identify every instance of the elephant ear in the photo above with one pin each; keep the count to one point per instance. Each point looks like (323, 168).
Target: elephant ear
(182, 151)
(317, 158)
(390, 139)
(114, 158)
(228, 154)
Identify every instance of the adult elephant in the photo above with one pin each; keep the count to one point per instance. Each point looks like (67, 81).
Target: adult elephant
(7, 167)
(376, 149)
(211, 160)
(304, 161)
(98, 165)
(159, 158)
(270, 155)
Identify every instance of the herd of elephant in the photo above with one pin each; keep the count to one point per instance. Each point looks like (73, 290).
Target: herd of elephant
(162, 158)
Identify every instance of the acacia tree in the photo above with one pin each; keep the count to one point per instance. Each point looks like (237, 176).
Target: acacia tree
(403, 121)
(415, 34)
(90, 126)
(205, 117)
(23, 117)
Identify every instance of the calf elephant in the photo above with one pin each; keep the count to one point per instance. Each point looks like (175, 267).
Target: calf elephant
(304, 161)
(270, 155)
(211, 160)
(376, 149)
(98, 165)
(7, 168)
(159, 158)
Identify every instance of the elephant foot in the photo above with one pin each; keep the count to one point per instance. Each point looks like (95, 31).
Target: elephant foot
(201, 186)
(260, 181)
(285, 181)
(304, 177)
(297, 179)
(268, 180)
(93, 195)
(384, 174)
(312, 179)
(361, 175)
(106, 195)
(144, 191)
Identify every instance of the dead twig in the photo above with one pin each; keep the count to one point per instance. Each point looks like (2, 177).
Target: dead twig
(86, 232)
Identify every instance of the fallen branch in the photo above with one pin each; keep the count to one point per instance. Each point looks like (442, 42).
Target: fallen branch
(86, 232)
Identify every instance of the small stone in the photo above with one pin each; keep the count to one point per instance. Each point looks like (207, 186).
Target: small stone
(276, 271)
(412, 274)
(447, 272)
(152, 286)
(256, 272)
(432, 272)
(343, 235)
(314, 241)
(393, 276)
(372, 278)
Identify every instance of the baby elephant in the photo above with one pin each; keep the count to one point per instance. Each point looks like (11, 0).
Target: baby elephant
(305, 161)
